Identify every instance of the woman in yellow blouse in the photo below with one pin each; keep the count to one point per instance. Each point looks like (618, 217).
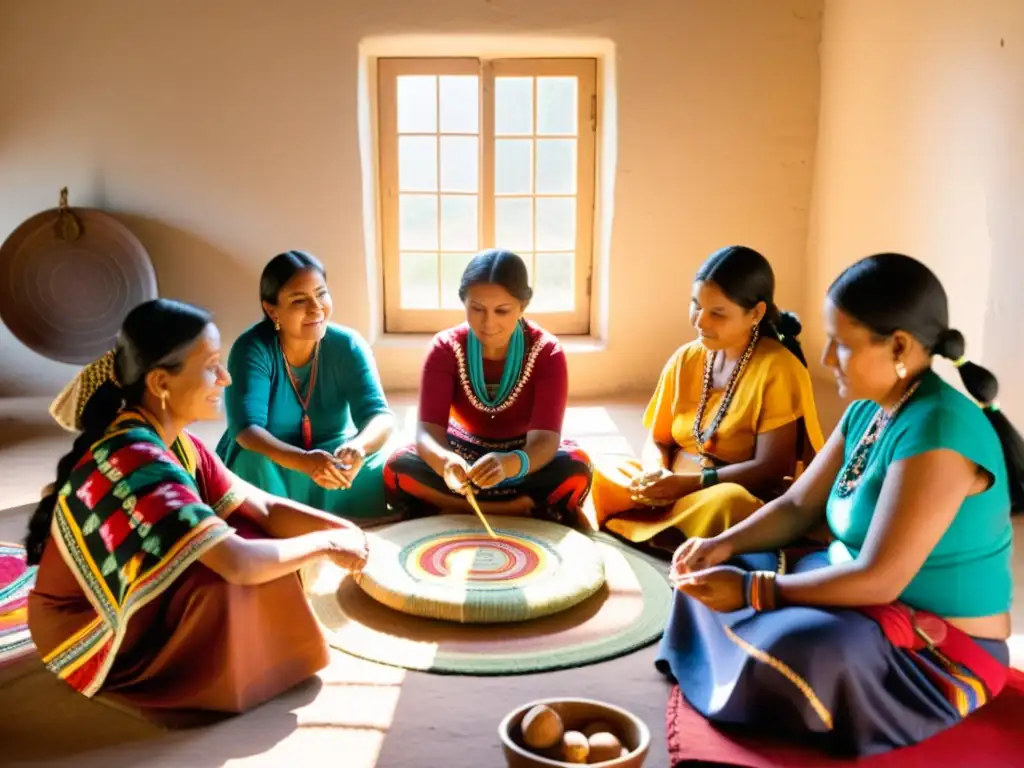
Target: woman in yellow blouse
(732, 418)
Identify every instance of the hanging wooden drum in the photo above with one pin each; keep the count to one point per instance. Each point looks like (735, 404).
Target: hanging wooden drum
(68, 277)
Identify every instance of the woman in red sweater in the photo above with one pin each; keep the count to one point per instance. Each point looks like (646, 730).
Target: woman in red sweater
(492, 400)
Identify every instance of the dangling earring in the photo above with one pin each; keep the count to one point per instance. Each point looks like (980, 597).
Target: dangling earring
(901, 370)
(277, 324)
(163, 400)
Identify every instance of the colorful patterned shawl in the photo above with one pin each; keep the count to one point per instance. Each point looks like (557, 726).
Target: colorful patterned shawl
(128, 522)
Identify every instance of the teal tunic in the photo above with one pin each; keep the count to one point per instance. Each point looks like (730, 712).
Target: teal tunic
(969, 573)
(347, 395)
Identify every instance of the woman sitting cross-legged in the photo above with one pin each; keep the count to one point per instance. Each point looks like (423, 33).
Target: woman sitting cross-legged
(898, 629)
(492, 400)
(731, 418)
(307, 417)
(164, 581)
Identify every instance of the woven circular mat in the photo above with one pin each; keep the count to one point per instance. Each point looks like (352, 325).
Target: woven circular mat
(448, 567)
(16, 579)
(68, 277)
(629, 611)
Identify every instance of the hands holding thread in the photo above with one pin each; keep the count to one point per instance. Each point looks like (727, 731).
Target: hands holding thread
(661, 487)
(696, 570)
(489, 470)
(324, 469)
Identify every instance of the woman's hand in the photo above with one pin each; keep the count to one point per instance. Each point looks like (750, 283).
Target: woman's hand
(698, 554)
(456, 474)
(351, 461)
(721, 589)
(324, 469)
(651, 490)
(491, 469)
(347, 548)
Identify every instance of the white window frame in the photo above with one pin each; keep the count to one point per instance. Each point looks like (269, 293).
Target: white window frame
(399, 320)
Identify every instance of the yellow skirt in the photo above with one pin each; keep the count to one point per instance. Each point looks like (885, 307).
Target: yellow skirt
(705, 513)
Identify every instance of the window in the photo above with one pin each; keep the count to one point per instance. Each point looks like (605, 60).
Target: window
(479, 154)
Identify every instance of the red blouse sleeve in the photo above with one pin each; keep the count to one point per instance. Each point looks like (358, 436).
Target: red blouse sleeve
(438, 381)
(550, 388)
(217, 484)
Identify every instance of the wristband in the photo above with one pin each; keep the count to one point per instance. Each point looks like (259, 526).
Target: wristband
(761, 589)
(524, 465)
(708, 477)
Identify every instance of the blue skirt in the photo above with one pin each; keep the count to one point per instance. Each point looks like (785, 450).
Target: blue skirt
(825, 675)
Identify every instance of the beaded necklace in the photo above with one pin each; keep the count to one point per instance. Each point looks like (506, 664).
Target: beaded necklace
(510, 373)
(854, 469)
(705, 439)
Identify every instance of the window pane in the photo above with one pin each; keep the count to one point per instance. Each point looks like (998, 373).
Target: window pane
(556, 223)
(460, 104)
(513, 105)
(460, 164)
(553, 287)
(417, 164)
(459, 222)
(513, 166)
(513, 223)
(556, 166)
(417, 279)
(557, 105)
(417, 104)
(417, 222)
(452, 267)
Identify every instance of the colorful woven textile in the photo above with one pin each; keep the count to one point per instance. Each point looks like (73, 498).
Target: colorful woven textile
(16, 579)
(128, 522)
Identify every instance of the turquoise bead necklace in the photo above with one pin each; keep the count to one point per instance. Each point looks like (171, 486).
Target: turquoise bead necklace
(510, 374)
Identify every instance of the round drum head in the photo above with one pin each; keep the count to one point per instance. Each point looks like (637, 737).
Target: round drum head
(66, 300)
(447, 567)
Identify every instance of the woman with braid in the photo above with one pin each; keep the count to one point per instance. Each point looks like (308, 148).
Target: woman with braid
(897, 630)
(731, 419)
(163, 580)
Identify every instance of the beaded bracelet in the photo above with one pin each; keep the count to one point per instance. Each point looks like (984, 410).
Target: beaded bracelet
(524, 465)
(761, 590)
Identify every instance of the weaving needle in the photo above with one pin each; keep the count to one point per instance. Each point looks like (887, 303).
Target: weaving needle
(471, 497)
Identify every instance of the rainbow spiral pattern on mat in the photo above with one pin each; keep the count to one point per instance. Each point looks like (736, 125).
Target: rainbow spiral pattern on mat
(479, 562)
(447, 567)
(16, 580)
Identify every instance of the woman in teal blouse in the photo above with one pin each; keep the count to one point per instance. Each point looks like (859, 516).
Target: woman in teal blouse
(307, 417)
(898, 629)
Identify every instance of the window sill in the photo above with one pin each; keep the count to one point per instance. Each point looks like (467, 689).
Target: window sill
(573, 345)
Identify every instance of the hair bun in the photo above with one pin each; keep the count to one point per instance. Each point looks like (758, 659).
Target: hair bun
(950, 344)
(788, 324)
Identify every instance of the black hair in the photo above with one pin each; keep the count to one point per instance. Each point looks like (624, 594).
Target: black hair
(746, 278)
(155, 334)
(497, 267)
(281, 269)
(890, 292)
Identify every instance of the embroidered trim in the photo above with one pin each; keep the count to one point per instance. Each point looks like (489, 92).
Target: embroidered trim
(786, 671)
(467, 387)
(491, 445)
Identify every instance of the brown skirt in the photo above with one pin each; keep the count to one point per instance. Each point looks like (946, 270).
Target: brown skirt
(204, 644)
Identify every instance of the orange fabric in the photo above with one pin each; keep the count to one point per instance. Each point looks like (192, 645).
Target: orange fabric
(774, 390)
(203, 644)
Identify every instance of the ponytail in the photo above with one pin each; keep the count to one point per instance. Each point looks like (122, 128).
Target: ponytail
(784, 327)
(100, 410)
(983, 386)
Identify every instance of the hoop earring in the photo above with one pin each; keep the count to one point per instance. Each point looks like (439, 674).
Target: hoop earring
(163, 400)
(901, 370)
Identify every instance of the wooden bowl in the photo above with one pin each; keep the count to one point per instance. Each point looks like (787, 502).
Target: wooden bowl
(576, 714)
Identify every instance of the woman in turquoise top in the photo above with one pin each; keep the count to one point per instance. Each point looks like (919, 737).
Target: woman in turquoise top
(307, 417)
(898, 629)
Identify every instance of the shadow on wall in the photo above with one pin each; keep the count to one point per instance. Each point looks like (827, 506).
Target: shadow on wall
(191, 269)
(1005, 210)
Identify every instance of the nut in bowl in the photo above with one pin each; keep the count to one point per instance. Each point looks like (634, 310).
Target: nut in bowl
(561, 732)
